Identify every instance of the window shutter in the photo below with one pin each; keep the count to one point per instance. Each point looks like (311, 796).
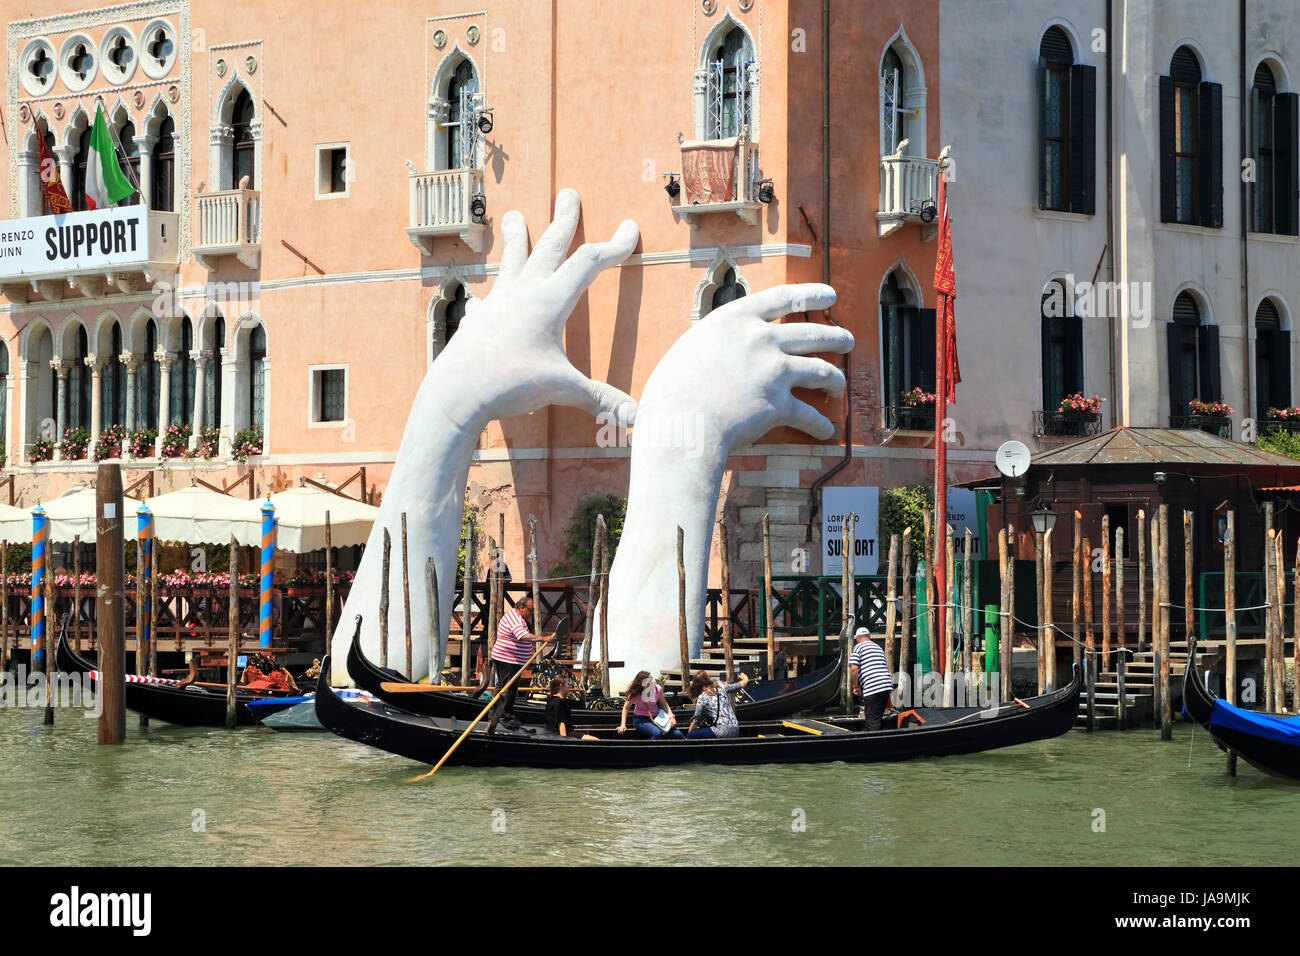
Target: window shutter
(1073, 354)
(1252, 189)
(1042, 137)
(1281, 359)
(1083, 139)
(1049, 387)
(1284, 163)
(1209, 150)
(1174, 344)
(924, 348)
(1208, 354)
(1168, 204)
(893, 354)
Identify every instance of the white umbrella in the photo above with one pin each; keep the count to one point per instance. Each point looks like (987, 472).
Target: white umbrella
(300, 519)
(75, 513)
(15, 524)
(201, 516)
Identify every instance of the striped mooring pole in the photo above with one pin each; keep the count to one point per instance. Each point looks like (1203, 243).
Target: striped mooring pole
(40, 538)
(268, 559)
(143, 565)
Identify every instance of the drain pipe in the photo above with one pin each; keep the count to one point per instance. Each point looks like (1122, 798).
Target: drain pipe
(814, 498)
(1110, 209)
(1246, 366)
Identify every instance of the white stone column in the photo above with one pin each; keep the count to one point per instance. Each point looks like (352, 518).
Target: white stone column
(29, 179)
(96, 399)
(8, 431)
(67, 157)
(61, 402)
(145, 143)
(132, 363)
(200, 388)
(229, 391)
(165, 360)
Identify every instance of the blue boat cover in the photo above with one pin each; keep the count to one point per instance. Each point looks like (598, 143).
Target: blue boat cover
(1284, 730)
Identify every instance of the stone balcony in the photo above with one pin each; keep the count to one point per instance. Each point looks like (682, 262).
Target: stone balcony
(87, 254)
(909, 190)
(440, 206)
(703, 198)
(228, 223)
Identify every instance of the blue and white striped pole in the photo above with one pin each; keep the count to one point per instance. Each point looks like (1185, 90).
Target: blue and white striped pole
(268, 561)
(143, 566)
(40, 539)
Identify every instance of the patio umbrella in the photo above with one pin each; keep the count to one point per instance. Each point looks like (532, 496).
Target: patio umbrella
(300, 519)
(201, 516)
(15, 524)
(75, 512)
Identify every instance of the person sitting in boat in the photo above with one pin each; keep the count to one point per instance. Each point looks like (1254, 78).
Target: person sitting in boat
(263, 673)
(870, 678)
(714, 715)
(559, 712)
(650, 711)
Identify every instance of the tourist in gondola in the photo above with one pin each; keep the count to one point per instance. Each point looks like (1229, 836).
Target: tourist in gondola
(559, 712)
(714, 716)
(650, 711)
(870, 678)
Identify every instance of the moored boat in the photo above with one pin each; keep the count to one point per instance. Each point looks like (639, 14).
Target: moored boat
(1268, 742)
(800, 740)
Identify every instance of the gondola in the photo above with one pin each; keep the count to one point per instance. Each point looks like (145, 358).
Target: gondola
(166, 700)
(1268, 742)
(795, 740)
(760, 701)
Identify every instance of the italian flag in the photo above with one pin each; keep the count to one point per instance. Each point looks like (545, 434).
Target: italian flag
(105, 183)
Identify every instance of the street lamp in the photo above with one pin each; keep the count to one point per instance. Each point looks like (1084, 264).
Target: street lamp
(1043, 519)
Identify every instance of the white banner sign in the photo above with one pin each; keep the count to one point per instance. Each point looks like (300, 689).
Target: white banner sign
(77, 241)
(961, 515)
(838, 502)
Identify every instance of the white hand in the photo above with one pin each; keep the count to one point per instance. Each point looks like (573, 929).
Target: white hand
(506, 359)
(723, 385)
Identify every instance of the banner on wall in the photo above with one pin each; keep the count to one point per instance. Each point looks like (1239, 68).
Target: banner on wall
(101, 238)
(962, 515)
(864, 501)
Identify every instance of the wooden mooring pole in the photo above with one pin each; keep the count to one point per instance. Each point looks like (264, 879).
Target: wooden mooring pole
(5, 654)
(1189, 584)
(967, 617)
(1230, 620)
(724, 553)
(891, 602)
(1076, 575)
(1049, 622)
(1166, 717)
(606, 555)
(949, 620)
(768, 613)
(467, 605)
(232, 637)
(1089, 639)
(1279, 635)
(681, 610)
(329, 588)
(1105, 591)
(1121, 638)
(435, 620)
(110, 601)
(593, 600)
(51, 635)
(383, 601)
(851, 600)
(1295, 632)
(1042, 650)
(76, 592)
(932, 635)
(1141, 579)
(1004, 620)
(1012, 554)
(532, 572)
(905, 654)
(406, 602)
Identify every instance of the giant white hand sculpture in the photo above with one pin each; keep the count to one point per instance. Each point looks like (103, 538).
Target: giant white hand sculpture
(507, 358)
(722, 385)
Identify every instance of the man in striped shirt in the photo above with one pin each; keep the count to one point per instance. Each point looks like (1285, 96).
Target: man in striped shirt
(510, 652)
(870, 676)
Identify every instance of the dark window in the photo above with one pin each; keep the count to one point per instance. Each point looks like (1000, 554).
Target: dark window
(1191, 144)
(182, 382)
(463, 80)
(212, 398)
(728, 290)
(732, 57)
(1273, 132)
(163, 190)
(1062, 345)
(131, 167)
(147, 377)
(1193, 356)
(331, 394)
(256, 376)
(242, 164)
(908, 335)
(80, 376)
(455, 313)
(48, 136)
(1272, 360)
(78, 196)
(1067, 127)
(114, 395)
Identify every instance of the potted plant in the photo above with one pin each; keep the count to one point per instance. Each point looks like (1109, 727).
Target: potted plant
(111, 442)
(916, 410)
(42, 450)
(209, 442)
(141, 442)
(1075, 413)
(176, 440)
(1212, 417)
(246, 444)
(74, 443)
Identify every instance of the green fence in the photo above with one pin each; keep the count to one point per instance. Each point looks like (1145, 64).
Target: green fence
(1249, 594)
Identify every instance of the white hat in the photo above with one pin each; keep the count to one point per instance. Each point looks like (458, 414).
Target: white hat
(862, 632)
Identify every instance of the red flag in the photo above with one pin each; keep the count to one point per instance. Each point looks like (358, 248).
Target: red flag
(51, 183)
(945, 285)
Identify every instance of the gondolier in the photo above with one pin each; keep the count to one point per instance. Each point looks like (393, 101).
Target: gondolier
(870, 676)
(510, 652)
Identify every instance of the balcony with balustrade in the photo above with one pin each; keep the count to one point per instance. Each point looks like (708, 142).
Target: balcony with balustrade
(442, 204)
(705, 190)
(228, 223)
(909, 190)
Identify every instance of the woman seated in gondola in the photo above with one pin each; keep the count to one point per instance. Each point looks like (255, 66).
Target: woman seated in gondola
(263, 673)
(650, 711)
(714, 716)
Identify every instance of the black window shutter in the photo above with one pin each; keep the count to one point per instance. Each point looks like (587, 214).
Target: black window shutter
(925, 348)
(1209, 150)
(893, 354)
(1211, 390)
(1264, 366)
(1073, 354)
(1281, 356)
(1284, 163)
(1042, 136)
(1168, 204)
(1252, 189)
(1045, 337)
(1083, 139)
(1174, 348)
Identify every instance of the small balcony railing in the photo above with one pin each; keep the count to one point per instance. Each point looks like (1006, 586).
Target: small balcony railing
(918, 418)
(908, 184)
(1067, 424)
(1289, 425)
(743, 198)
(1220, 425)
(441, 205)
(229, 224)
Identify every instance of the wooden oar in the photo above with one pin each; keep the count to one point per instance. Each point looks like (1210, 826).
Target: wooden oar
(393, 687)
(482, 713)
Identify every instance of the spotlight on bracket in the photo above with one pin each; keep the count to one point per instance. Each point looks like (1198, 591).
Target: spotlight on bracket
(485, 122)
(766, 191)
(928, 211)
(478, 207)
(673, 188)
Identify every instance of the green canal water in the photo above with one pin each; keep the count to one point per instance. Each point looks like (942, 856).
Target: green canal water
(185, 796)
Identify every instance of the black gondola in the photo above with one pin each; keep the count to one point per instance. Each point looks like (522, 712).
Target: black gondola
(804, 740)
(191, 706)
(1268, 742)
(765, 700)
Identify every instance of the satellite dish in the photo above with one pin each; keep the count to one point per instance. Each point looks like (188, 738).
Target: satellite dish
(1012, 458)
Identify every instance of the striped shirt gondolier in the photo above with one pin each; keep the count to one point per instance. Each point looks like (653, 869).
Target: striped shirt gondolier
(873, 673)
(512, 645)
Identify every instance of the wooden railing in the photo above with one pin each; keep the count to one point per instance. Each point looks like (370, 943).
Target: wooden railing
(230, 217)
(906, 182)
(441, 199)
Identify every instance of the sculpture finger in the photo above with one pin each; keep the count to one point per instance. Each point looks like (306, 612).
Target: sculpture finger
(814, 373)
(807, 419)
(555, 241)
(578, 391)
(780, 301)
(515, 231)
(590, 260)
(806, 338)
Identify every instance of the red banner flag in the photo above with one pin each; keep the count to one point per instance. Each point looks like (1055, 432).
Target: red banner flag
(51, 183)
(945, 285)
